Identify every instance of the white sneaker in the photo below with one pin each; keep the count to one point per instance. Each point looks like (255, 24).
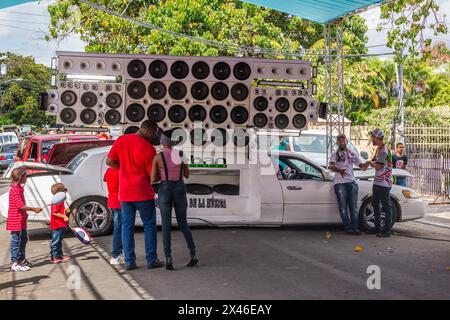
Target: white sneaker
(115, 261)
(19, 268)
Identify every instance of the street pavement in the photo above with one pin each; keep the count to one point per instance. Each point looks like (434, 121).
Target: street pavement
(249, 263)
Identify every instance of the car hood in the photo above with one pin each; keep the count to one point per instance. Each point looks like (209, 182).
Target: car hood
(360, 174)
(36, 166)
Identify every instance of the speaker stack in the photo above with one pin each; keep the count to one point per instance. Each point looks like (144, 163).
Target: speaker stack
(207, 97)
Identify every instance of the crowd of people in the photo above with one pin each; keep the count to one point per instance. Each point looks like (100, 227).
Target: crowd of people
(134, 165)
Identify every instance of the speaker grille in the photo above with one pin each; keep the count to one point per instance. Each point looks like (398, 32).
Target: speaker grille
(156, 112)
(281, 121)
(135, 112)
(220, 91)
(112, 117)
(136, 89)
(242, 71)
(300, 104)
(157, 90)
(68, 115)
(282, 104)
(239, 115)
(218, 114)
(177, 90)
(179, 69)
(88, 116)
(197, 113)
(177, 114)
(239, 91)
(200, 70)
(221, 70)
(299, 121)
(68, 98)
(157, 69)
(199, 91)
(136, 68)
(114, 100)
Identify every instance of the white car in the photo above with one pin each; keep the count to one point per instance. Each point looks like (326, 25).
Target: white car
(226, 194)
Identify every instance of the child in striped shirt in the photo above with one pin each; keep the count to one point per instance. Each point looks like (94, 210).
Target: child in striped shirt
(17, 220)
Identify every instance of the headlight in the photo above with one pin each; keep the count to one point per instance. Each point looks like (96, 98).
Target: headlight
(410, 194)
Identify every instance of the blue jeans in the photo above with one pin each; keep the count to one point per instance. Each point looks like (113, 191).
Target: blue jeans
(173, 194)
(347, 195)
(56, 244)
(18, 244)
(380, 196)
(117, 234)
(400, 181)
(147, 211)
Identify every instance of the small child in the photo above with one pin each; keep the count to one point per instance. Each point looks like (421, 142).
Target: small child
(58, 224)
(112, 182)
(17, 220)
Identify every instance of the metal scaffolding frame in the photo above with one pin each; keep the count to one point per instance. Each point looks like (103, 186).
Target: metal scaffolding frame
(334, 82)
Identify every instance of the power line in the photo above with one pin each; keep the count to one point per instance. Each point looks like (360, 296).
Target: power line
(24, 22)
(25, 13)
(20, 28)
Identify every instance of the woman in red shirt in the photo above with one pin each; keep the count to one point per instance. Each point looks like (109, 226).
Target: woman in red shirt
(111, 178)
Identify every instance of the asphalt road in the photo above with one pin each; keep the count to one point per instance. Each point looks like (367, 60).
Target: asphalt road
(299, 263)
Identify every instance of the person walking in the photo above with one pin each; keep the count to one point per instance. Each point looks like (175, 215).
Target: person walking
(133, 155)
(400, 161)
(382, 183)
(345, 186)
(169, 168)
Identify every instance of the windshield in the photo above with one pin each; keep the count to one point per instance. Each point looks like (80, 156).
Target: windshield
(75, 162)
(9, 148)
(315, 143)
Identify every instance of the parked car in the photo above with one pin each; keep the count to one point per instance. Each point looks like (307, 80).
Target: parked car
(36, 148)
(8, 138)
(232, 194)
(7, 154)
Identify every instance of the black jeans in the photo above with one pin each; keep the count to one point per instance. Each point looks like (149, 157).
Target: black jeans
(380, 197)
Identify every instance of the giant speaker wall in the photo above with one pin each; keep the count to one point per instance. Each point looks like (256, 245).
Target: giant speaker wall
(181, 92)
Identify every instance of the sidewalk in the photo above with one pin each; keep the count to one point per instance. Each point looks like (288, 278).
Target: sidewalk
(87, 276)
(438, 215)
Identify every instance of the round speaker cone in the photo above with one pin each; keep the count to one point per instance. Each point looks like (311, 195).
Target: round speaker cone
(239, 115)
(219, 137)
(199, 91)
(260, 103)
(282, 104)
(240, 137)
(135, 112)
(221, 70)
(177, 90)
(68, 98)
(241, 71)
(88, 116)
(260, 120)
(112, 117)
(68, 115)
(136, 89)
(200, 70)
(218, 114)
(281, 121)
(198, 189)
(227, 189)
(197, 113)
(179, 69)
(198, 136)
(220, 91)
(136, 68)
(239, 91)
(88, 99)
(157, 90)
(157, 69)
(179, 136)
(114, 100)
(299, 121)
(300, 104)
(132, 129)
(177, 113)
(156, 112)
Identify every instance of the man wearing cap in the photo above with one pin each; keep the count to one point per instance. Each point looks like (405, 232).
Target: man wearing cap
(345, 187)
(382, 183)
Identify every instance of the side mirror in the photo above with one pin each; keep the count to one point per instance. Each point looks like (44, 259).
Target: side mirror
(364, 155)
(328, 176)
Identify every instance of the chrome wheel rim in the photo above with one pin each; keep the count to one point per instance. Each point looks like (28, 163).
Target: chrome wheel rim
(92, 216)
(369, 216)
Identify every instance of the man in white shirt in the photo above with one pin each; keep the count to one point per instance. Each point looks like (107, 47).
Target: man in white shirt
(345, 186)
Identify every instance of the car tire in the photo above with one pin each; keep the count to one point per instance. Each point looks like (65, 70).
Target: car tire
(366, 215)
(92, 214)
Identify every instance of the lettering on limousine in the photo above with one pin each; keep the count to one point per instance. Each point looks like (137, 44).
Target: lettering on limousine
(209, 203)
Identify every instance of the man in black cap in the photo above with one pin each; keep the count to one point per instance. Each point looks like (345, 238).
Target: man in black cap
(382, 183)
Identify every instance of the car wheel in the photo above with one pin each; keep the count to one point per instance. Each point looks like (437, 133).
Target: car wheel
(92, 214)
(367, 215)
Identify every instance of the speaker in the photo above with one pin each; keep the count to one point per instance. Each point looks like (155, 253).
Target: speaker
(323, 107)
(87, 103)
(43, 101)
(282, 108)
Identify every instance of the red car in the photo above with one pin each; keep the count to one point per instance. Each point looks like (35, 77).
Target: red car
(36, 148)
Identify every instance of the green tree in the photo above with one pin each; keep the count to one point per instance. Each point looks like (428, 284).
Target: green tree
(18, 104)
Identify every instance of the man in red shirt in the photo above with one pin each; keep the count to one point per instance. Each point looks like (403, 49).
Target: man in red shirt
(133, 155)
(17, 220)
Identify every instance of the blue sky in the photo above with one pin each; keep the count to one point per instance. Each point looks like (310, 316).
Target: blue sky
(23, 27)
